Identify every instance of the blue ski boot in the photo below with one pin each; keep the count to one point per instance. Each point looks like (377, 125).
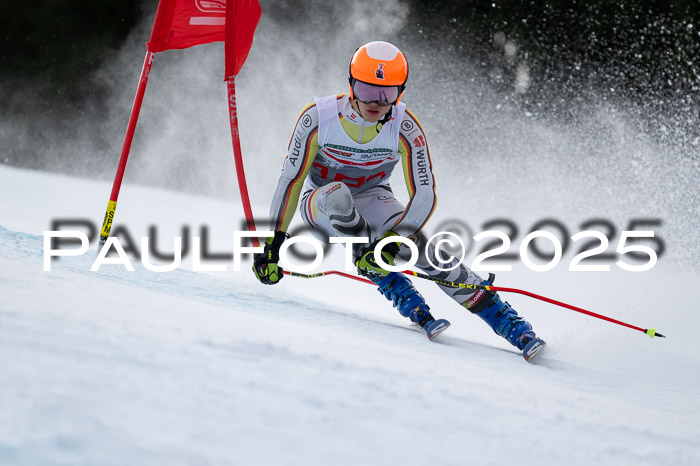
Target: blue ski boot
(399, 289)
(506, 322)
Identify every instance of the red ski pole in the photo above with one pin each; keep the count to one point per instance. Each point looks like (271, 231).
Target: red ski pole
(126, 147)
(651, 332)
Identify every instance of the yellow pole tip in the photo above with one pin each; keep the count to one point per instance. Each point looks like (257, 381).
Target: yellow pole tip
(651, 332)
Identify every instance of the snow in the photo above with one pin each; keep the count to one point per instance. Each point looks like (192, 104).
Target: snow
(115, 367)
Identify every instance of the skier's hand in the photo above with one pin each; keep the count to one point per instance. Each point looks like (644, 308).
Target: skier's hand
(367, 266)
(265, 264)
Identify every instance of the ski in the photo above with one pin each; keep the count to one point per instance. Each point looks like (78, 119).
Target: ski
(434, 328)
(533, 349)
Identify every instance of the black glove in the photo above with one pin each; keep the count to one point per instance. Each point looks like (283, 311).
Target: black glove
(265, 264)
(367, 266)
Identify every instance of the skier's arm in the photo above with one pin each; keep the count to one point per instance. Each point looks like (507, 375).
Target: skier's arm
(301, 152)
(418, 173)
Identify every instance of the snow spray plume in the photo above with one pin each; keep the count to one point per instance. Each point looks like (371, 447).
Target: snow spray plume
(490, 118)
(533, 142)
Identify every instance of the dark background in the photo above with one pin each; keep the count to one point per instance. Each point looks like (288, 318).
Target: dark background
(642, 48)
(648, 47)
(640, 55)
(57, 41)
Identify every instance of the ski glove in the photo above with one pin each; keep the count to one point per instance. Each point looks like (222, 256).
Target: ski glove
(367, 266)
(265, 264)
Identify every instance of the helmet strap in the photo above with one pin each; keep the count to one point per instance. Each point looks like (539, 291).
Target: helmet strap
(384, 119)
(356, 107)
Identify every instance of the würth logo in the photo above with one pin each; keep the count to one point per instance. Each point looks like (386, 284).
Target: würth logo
(380, 71)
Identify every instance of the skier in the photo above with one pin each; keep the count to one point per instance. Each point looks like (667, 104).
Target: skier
(340, 159)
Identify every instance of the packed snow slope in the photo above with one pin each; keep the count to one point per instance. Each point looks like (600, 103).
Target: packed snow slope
(143, 368)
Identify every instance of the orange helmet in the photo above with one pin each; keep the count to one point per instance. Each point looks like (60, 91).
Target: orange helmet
(382, 71)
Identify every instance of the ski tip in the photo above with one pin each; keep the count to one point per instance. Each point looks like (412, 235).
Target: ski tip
(533, 349)
(436, 328)
(653, 333)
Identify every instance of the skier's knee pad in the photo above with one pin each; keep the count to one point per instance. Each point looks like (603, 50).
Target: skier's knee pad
(337, 199)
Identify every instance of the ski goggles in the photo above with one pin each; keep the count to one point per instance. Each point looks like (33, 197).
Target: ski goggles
(368, 93)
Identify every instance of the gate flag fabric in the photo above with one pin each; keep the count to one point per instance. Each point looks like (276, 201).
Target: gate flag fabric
(181, 24)
(242, 18)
